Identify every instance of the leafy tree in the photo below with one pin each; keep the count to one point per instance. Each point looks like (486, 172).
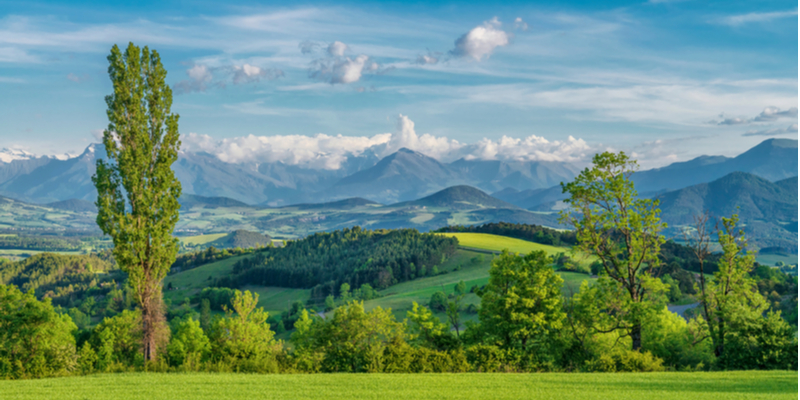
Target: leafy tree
(424, 327)
(137, 192)
(118, 339)
(205, 314)
(733, 302)
(243, 334)
(438, 301)
(330, 303)
(352, 340)
(521, 305)
(189, 345)
(622, 230)
(454, 313)
(35, 340)
(344, 292)
(461, 288)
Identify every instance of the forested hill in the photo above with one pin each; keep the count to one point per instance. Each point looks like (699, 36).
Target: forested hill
(459, 197)
(768, 210)
(54, 275)
(356, 256)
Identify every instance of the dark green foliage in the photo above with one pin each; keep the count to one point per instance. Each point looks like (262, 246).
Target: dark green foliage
(438, 301)
(41, 243)
(64, 278)
(217, 297)
(35, 341)
(324, 261)
(763, 343)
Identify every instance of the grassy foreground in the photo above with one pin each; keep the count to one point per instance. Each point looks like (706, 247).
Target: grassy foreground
(622, 386)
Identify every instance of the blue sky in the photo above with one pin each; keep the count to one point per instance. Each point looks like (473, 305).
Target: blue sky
(666, 80)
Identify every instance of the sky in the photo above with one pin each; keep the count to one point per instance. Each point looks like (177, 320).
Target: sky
(311, 83)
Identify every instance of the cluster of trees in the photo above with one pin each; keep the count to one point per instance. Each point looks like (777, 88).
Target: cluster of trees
(64, 278)
(533, 233)
(324, 261)
(41, 243)
(525, 324)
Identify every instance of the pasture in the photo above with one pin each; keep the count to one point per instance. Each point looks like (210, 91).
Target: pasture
(775, 385)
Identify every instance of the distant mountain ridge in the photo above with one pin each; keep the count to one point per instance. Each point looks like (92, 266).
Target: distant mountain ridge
(405, 175)
(767, 210)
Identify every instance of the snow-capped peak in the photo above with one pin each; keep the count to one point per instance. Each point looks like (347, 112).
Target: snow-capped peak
(8, 155)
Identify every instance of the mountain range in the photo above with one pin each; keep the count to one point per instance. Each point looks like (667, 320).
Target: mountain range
(405, 175)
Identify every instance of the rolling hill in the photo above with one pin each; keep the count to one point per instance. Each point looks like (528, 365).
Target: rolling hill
(767, 210)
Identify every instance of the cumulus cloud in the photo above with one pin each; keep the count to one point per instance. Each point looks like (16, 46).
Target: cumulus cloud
(329, 152)
(248, 73)
(772, 132)
(336, 68)
(337, 49)
(773, 113)
(481, 41)
(202, 76)
(199, 77)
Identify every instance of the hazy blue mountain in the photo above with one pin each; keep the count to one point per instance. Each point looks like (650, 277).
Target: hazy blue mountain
(54, 180)
(767, 210)
(76, 205)
(458, 198)
(243, 239)
(403, 175)
(493, 175)
(772, 159)
(188, 201)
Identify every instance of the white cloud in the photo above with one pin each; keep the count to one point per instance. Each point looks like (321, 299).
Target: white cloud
(248, 73)
(773, 113)
(736, 20)
(337, 49)
(336, 68)
(199, 77)
(329, 152)
(429, 59)
(773, 132)
(733, 121)
(481, 41)
(202, 76)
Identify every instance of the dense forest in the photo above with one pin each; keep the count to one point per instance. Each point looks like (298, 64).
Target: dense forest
(324, 261)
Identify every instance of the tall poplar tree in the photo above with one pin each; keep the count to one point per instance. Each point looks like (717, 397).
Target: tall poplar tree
(137, 192)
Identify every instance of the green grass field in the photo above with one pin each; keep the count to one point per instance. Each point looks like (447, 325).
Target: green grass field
(201, 239)
(622, 386)
(498, 243)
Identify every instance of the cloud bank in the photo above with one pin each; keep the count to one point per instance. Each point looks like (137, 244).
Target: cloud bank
(329, 152)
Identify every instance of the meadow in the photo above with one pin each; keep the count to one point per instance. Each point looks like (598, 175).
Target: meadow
(622, 386)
